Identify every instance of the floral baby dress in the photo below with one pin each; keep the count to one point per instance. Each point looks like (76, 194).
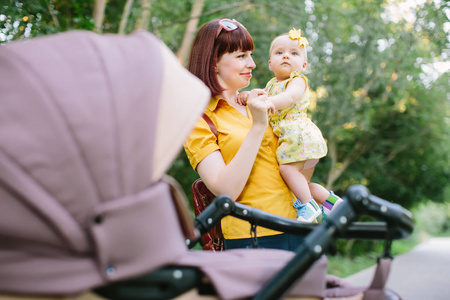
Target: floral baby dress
(299, 139)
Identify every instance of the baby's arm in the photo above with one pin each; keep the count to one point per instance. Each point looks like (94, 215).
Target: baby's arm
(294, 91)
(242, 97)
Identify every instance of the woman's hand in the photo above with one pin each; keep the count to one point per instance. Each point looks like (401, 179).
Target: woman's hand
(230, 179)
(260, 106)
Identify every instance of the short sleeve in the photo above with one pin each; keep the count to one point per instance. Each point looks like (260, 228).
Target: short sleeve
(270, 83)
(200, 143)
(298, 74)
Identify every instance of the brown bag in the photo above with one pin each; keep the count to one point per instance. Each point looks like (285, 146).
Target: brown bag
(201, 198)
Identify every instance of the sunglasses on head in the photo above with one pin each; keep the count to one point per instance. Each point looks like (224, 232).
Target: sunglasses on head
(228, 25)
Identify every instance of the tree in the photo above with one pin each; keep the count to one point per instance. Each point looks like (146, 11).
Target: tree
(125, 15)
(385, 118)
(143, 20)
(367, 99)
(190, 31)
(99, 13)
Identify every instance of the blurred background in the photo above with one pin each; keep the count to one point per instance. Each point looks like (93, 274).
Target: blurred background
(379, 85)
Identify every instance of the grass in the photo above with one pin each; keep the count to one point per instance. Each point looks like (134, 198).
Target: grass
(343, 265)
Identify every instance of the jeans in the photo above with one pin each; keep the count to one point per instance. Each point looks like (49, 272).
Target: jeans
(283, 241)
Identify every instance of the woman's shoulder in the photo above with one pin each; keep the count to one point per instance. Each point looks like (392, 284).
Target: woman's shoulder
(202, 140)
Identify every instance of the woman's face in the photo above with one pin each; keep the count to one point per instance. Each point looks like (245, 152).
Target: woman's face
(234, 70)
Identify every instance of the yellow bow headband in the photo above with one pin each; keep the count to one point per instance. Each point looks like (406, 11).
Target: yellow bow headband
(295, 34)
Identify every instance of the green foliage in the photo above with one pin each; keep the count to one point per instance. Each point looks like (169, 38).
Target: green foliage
(433, 218)
(113, 14)
(409, 159)
(183, 172)
(26, 19)
(377, 109)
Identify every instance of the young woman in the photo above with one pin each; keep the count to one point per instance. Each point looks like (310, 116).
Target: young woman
(241, 162)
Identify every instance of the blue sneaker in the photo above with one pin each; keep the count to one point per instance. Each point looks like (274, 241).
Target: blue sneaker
(307, 212)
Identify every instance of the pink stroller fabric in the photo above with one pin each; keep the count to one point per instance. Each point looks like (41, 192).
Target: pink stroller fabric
(88, 125)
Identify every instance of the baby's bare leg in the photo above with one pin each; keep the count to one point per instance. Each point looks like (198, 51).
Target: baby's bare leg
(296, 181)
(319, 193)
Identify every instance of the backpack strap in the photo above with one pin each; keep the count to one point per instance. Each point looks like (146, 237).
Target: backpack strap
(201, 198)
(211, 125)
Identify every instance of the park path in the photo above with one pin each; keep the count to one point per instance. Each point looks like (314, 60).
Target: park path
(421, 274)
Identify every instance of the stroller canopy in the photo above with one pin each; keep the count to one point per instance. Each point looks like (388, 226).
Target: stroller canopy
(88, 125)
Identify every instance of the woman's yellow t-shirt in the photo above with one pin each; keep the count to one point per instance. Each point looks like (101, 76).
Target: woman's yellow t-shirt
(265, 188)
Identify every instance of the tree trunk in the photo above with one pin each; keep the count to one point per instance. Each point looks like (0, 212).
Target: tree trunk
(336, 172)
(191, 28)
(99, 14)
(337, 168)
(125, 15)
(143, 20)
(52, 13)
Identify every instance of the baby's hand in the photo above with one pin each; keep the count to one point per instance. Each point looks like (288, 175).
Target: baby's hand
(242, 97)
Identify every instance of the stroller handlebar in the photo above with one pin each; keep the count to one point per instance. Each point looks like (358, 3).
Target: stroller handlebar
(397, 221)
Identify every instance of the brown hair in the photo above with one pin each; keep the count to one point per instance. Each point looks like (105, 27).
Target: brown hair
(207, 50)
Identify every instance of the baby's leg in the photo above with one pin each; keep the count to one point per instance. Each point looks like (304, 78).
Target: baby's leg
(296, 181)
(319, 193)
(307, 209)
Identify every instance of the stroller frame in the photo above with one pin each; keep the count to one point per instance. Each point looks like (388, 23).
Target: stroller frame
(397, 223)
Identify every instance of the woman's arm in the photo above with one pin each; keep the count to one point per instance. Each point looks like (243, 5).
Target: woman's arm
(231, 179)
(294, 91)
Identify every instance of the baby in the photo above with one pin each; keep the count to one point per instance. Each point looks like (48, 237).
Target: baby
(300, 141)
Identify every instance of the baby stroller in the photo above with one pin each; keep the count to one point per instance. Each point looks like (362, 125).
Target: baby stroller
(84, 142)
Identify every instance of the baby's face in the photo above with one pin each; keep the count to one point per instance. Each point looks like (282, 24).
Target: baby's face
(286, 56)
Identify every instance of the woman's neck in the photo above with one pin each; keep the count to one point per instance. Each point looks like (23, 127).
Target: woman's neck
(230, 96)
